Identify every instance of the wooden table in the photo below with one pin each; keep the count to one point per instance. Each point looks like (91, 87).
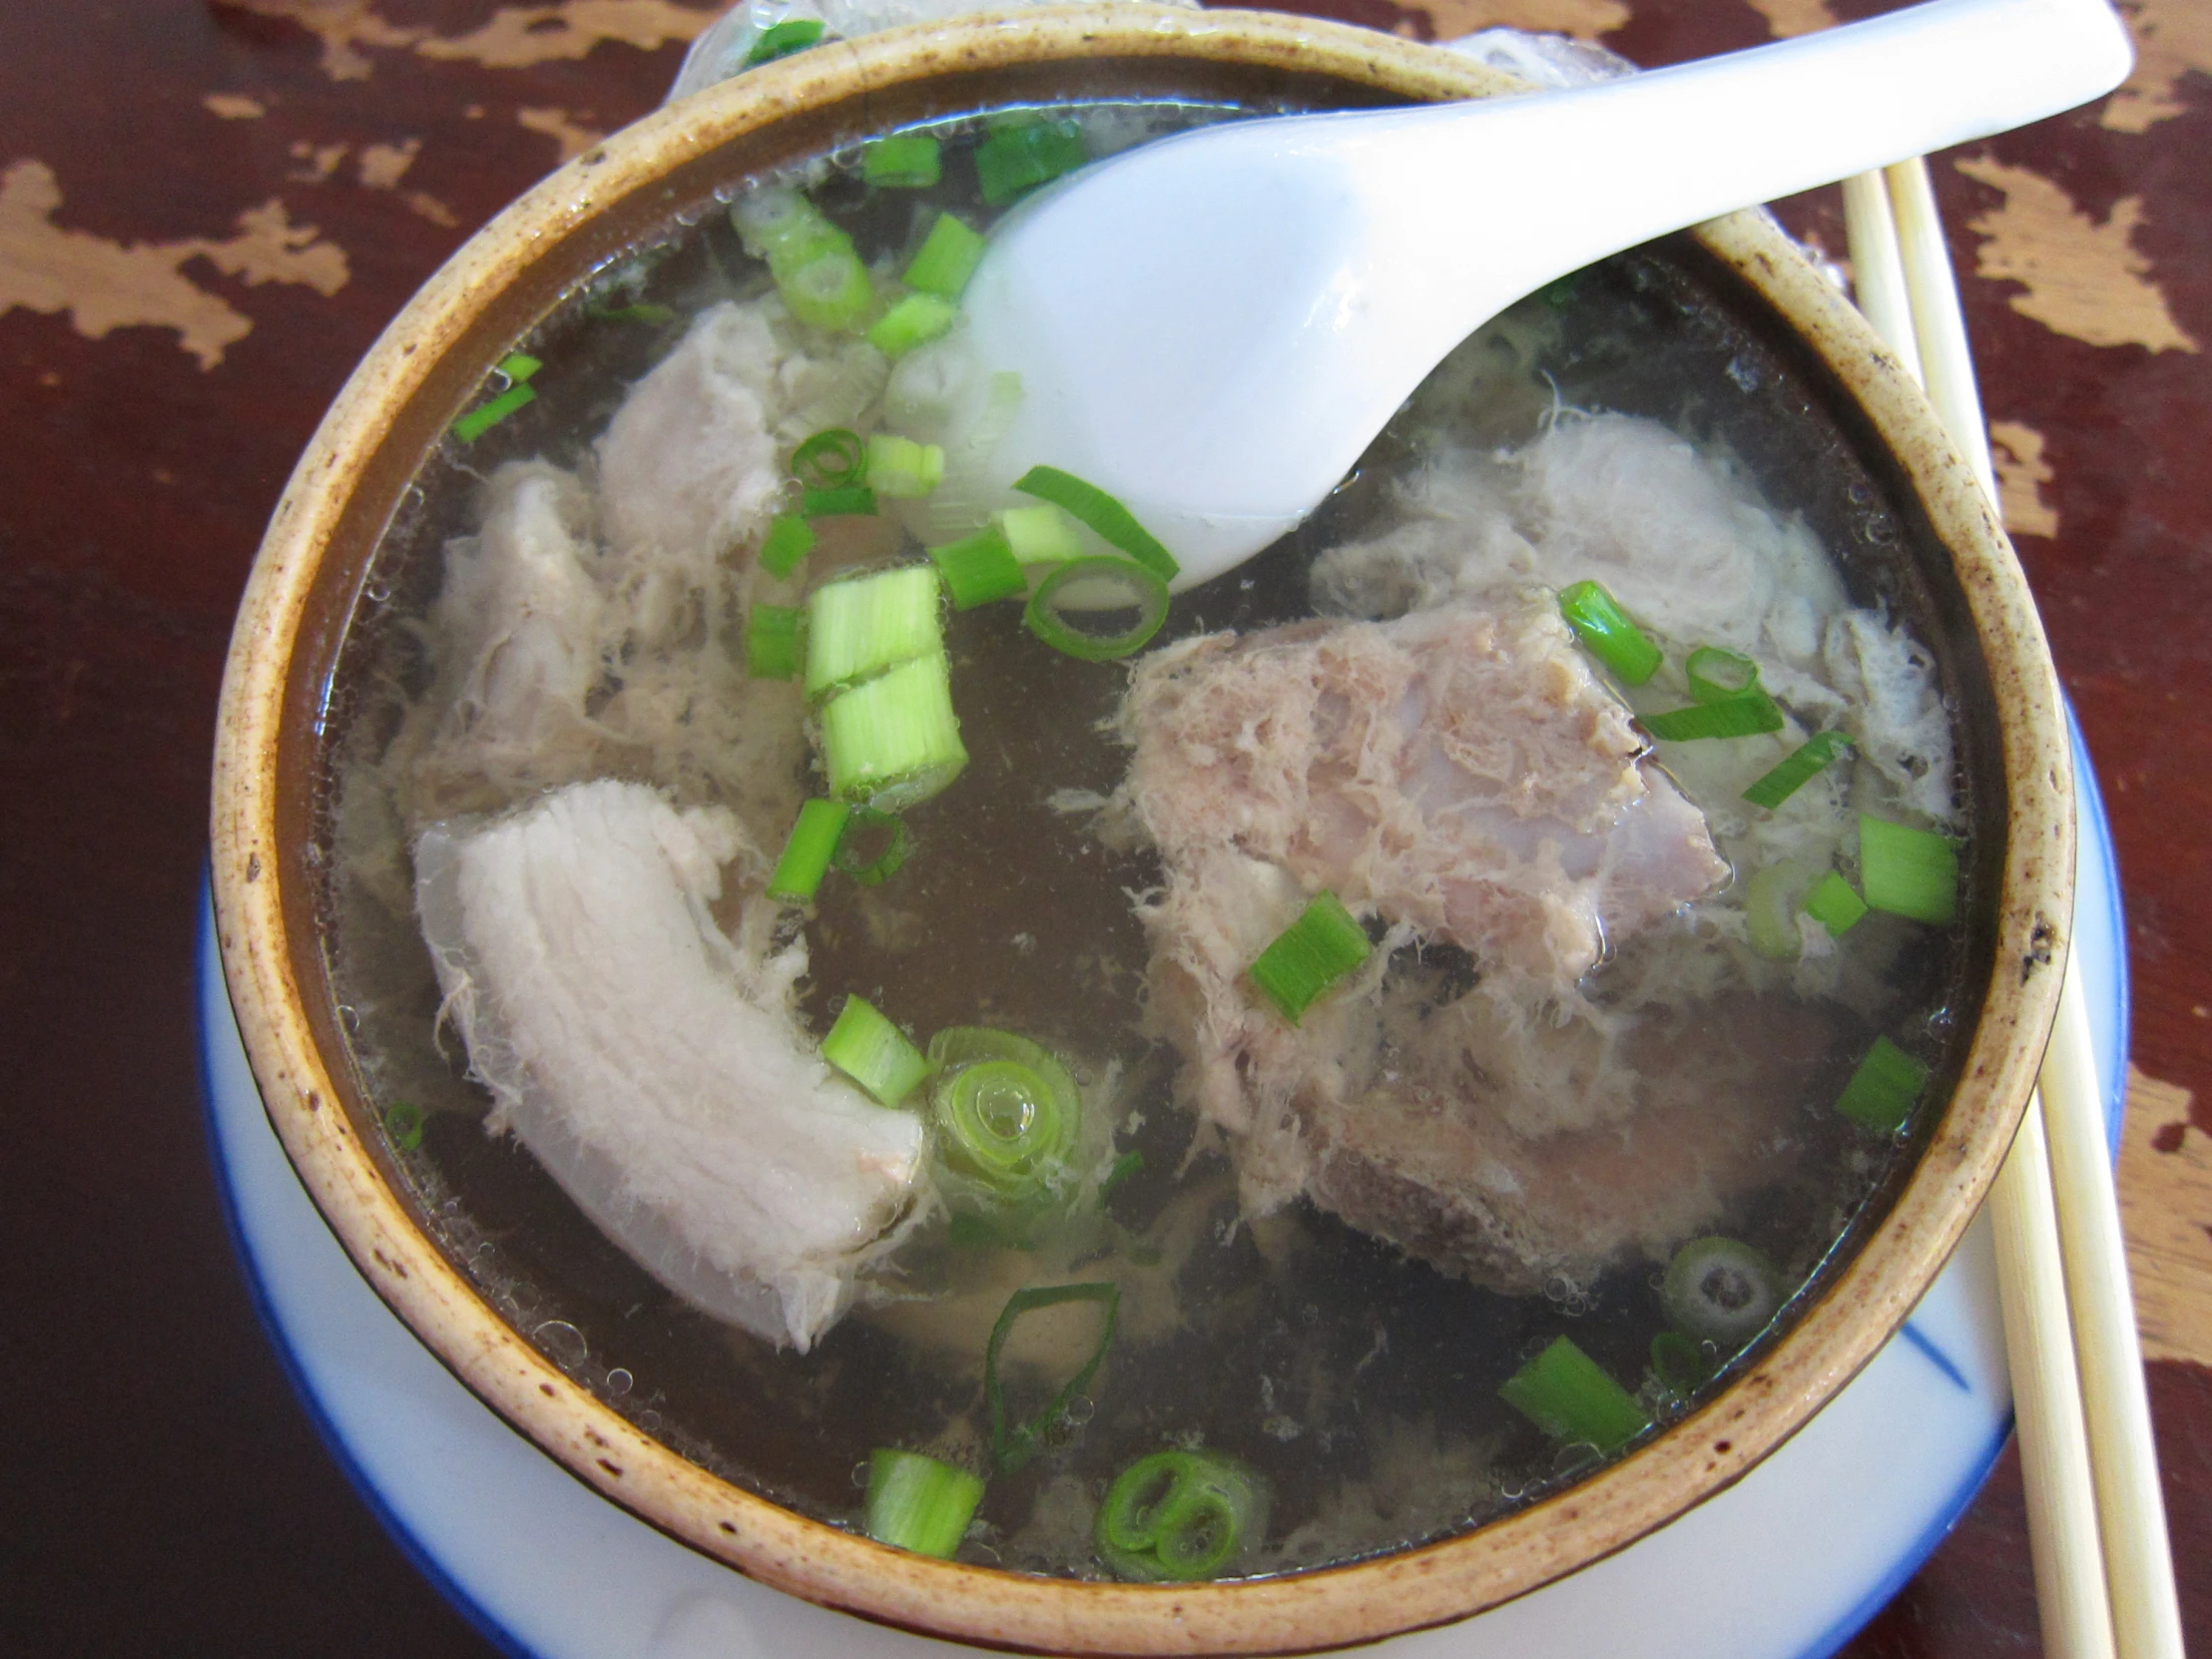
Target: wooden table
(207, 212)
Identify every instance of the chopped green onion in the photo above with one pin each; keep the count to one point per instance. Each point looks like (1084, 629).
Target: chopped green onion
(866, 624)
(874, 1052)
(894, 742)
(1804, 763)
(831, 291)
(1569, 1397)
(1128, 1164)
(1771, 899)
(916, 1502)
(902, 468)
(485, 416)
(1714, 674)
(1091, 505)
(1835, 905)
(1012, 1448)
(855, 501)
(1721, 1292)
(1907, 872)
(790, 539)
(1176, 1517)
(518, 367)
(816, 269)
(947, 258)
(794, 34)
(880, 864)
(1607, 634)
(1740, 715)
(1312, 953)
(654, 315)
(904, 160)
(1007, 1115)
(1681, 1365)
(1881, 1092)
(772, 642)
(915, 320)
(1011, 161)
(832, 459)
(979, 569)
(808, 850)
(1093, 586)
(1043, 535)
(403, 1122)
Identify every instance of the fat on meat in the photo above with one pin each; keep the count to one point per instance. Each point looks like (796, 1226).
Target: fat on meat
(655, 1065)
(1458, 770)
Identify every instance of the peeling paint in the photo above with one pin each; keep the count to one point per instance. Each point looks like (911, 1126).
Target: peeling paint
(1794, 17)
(2173, 38)
(1584, 19)
(2083, 279)
(514, 38)
(559, 126)
(2166, 1205)
(2023, 473)
(344, 27)
(233, 106)
(105, 285)
(382, 166)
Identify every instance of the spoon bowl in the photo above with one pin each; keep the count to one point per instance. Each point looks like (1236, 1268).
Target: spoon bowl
(1213, 328)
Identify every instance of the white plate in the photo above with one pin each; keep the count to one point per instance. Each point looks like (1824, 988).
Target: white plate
(1788, 1562)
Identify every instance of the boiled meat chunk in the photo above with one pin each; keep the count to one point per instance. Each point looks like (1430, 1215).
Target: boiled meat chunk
(1458, 770)
(656, 1066)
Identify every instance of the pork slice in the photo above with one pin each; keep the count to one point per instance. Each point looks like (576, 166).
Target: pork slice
(1458, 770)
(654, 1066)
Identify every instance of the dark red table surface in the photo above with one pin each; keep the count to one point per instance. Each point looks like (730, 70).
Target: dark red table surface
(206, 214)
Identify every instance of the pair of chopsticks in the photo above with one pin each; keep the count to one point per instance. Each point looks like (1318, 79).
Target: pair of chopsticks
(2104, 1580)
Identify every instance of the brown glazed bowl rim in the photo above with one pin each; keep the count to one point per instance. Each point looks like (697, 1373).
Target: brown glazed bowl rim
(302, 587)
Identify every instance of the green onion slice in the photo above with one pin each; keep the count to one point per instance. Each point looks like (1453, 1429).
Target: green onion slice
(1179, 1516)
(1714, 674)
(1007, 1114)
(1744, 715)
(1881, 1092)
(1771, 899)
(790, 539)
(1682, 1365)
(485, 416)
(1570, 1397)
(403, 1122)
(808, 852)
(1013, 1447)
(916, 1502)
(1607, 634)
(902, 468)
(1128, 1164)
(1090, 505)
(915, 320)
(874, 1052)
(772, 642)
(831, 291)
(1013, 161)
(1041, 535)
(947, 258)
(794, 34)
(904, 160)
(894, 740)
(1097, 587)
(1312, 953)
(1721, 1292)
(871, 866)
(1907, 872)
(832, 459)
(1797, 769)
(857, 501)
(518, 367)
(1835, 905)
(866, 624)
(979, 569)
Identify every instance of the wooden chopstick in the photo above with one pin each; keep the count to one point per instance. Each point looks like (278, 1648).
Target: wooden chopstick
(2097, 1529)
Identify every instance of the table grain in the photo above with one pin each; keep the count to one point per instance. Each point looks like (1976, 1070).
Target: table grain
(206, 214)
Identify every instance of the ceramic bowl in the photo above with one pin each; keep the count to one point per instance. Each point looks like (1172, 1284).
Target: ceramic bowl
(270, 845)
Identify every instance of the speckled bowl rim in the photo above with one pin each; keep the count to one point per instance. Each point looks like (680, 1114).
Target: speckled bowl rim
(263, 892)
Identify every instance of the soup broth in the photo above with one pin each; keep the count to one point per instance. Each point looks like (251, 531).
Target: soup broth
(1345, 1343)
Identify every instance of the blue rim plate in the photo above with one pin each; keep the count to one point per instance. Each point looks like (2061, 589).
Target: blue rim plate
(1826, 1530)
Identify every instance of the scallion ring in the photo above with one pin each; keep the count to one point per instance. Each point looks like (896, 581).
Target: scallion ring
(832, 459)
(1097, 587)
(1721, 1292)
(871, 848)
(1179, 1516)
(1714, 674)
